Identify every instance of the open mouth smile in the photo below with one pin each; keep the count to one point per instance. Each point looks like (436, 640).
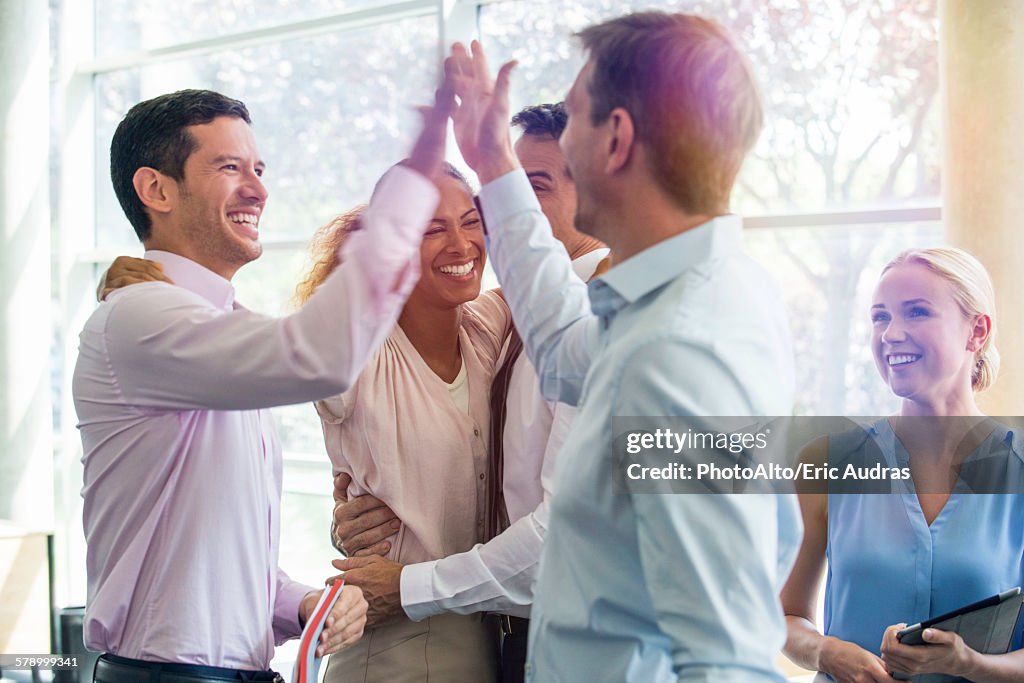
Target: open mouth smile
(249, 222)
(459, 271)
(902, 359)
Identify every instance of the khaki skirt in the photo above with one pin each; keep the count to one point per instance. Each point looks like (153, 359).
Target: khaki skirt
(461, 648)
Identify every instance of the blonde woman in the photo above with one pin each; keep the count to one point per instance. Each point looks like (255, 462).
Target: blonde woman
(905, 557)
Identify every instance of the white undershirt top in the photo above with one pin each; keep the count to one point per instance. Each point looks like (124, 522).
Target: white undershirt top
(459, 390)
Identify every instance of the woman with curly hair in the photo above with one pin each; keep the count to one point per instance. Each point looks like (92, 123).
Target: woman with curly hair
(412, 432)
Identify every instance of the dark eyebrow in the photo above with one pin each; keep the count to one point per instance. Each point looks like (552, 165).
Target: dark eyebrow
(231, 157)
(540, 174)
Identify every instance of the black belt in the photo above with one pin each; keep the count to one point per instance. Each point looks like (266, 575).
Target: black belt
(123, 670)
(513, 626)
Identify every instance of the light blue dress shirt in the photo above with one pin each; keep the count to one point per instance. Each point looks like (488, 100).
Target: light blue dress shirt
(887, 565)
(650, 587)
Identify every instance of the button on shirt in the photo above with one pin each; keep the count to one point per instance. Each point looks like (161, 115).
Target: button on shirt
(181, 463)
(400, 436)
(650, 587)
(500, 574)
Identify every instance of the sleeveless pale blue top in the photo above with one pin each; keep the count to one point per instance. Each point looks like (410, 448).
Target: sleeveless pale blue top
(887, 565)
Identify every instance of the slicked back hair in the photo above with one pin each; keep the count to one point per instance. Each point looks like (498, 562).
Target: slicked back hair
(691, 94)
(542, 119)
(154, 134)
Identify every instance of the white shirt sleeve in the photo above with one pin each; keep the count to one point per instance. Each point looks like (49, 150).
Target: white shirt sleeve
(497, 576)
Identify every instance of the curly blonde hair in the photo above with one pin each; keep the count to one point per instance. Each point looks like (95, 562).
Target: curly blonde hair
(324, 251)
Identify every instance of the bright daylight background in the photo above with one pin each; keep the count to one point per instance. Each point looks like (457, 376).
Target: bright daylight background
(845, 174)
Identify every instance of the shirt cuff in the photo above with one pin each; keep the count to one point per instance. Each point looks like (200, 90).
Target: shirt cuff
(506, 196)
(399, 191)
(286, 610)
(417, 590)
(386, 250)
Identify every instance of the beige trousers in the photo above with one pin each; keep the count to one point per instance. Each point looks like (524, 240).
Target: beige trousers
(450, 647)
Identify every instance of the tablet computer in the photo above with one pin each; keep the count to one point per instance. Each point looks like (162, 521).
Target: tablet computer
(986, 626)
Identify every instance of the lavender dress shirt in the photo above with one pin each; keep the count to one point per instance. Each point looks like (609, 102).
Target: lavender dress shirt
(181, 462)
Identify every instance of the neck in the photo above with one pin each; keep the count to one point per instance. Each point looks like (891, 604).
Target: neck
(434, 333)
(940, 440)
(651, 215)
(225, 270)
(584, 245)
(652, 232)
(958, 403)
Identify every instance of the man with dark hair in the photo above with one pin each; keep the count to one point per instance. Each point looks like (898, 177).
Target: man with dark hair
(157, 136)
(546, 119)
(182, 465)
(526, 433)
(634, 585)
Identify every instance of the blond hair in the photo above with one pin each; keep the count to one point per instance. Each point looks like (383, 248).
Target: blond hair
(324, 251)
(973, 292)
(691, 94)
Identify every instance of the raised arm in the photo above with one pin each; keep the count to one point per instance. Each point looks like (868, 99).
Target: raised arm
(549, 304)
(240, 360)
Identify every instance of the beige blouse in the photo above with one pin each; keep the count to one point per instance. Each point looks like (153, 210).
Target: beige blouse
(401, 437)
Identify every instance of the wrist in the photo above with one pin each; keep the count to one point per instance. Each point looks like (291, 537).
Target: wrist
(307, 603)
(826, 649)
(969, 665)
(492, 169)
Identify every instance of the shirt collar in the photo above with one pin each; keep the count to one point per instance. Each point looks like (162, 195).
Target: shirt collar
(663, 262)
(585, 265)
(190, 275)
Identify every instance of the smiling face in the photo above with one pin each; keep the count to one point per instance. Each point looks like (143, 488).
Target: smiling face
(221, 197)
(924, 346)
(452, 255)
(544, 163)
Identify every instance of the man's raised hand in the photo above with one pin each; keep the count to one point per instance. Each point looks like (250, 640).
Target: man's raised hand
(481, 116)
(428, 150)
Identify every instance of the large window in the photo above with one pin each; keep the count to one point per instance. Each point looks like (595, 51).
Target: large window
(845, 175)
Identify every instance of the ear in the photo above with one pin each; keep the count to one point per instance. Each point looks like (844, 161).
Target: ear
(623, 137)
(157, 191)
(980, 331)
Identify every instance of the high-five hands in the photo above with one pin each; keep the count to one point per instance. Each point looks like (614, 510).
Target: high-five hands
(481, 117)
(428, 150)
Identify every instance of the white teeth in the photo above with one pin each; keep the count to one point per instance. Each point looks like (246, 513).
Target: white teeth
(901, 358)
(244, 218)
(464, 269)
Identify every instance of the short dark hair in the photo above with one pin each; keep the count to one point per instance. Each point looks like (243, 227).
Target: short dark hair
(691, 94)
(542, 119)
(153, 133)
